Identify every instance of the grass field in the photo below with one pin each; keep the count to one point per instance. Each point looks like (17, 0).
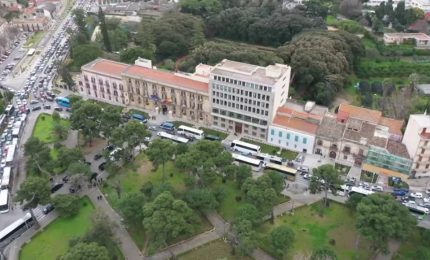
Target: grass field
(270, 149)
(209, 131)
(418, 241)
(54, 240)
(35, 39)
(215, 250)
(45, 126)
(336, 229)
(230, 205)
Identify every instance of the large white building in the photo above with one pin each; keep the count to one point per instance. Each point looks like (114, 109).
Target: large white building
(421, 4)
(417, 141)
(245, 97)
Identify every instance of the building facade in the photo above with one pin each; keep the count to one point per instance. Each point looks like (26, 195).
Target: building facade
(421, 40)
(394, 157)
(245, 97)
(417, 141)
(141, 86)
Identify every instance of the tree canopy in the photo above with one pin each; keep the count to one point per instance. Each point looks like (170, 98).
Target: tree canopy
(67, 205)
(325, 178)
(87, 251)
(34, 188)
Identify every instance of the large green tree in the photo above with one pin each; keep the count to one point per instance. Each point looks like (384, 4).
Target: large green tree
(84, 53)
(87, 251)
(324, 253)
(67, 205)
(104, 31)
(201, 199)
(159, 152)
(131, 206)
(36, 189)
(325, 178)
(79, 19)
(39, 157)
(260, 193)
(381, 218)
(167, 218)
(86, 119)
(282, 239)
(110, 119)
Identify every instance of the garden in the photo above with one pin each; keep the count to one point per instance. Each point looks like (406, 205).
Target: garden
(270, 149)
(49, 129)
(53, 241)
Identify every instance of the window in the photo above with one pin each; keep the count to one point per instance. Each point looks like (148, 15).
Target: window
(288, 136)
(305, 140)
(296, 138)
(272, 132)
(280, 133)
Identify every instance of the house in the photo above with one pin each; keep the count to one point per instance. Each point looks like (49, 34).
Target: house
(420, 40)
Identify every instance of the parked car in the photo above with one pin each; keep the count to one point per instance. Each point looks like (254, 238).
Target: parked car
(102, 166)
(36, 108)
(56, 187)
(47, 106)
(59, 109)
(303, 169)
(50, 207)
(66, 179)
(417, 195)
(97, 156)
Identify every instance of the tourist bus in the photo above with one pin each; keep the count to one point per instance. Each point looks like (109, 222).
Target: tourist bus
(174, 138)
(245, 148)
(15, 229)
(269, 158)
(63, 102)
(282, 169)
(190, 132)
(4, 201)
(254, 163)
(139, 117)
(360, 190)
(5, 178)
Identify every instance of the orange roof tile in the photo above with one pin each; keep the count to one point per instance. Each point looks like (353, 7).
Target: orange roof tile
(394, 125)
(368, 115)
(108, 67)
(295, 123)
(294, 113)
(168, 78)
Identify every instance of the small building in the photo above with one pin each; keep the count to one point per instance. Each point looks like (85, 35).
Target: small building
(423, 89)
(421, 40)
(328, 137)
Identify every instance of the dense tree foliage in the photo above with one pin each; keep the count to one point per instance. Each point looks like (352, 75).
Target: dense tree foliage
(131, 206)
(129, 55)
(201, 199)
(86, 251)
(325, 178)
(39, 157)
(35, 189)
(67, 205)
(85, 117)
(84, 53)
(322, 61)
(159, 152)
(260, 193)
(281, 239)
(381, 218)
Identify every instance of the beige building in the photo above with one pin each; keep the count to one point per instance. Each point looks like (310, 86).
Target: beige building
(421, 40)
(141, 86)
(245, 97)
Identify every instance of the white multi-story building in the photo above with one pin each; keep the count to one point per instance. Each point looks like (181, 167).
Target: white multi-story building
(417, 141)
(421, 4)
(245, 97)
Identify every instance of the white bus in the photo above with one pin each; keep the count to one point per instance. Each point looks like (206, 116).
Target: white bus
(31, 52)
(174, 138)
(414, 208)
(10, 154)
(255, 163)
(245, 148)
(269, 158)
(5, 178)
(11, 232)
(361, 191)
(4, 201)
(282, 169)
(191, 132)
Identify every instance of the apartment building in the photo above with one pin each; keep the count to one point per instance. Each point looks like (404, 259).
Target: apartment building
(295, 125)
(245, 97)
(142, 86)
(417, 141)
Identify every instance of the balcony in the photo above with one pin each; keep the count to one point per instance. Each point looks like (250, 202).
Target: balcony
(334, 147)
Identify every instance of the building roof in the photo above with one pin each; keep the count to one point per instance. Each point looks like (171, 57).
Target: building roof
(422, 120)
(165, 77)
(394, 125)
(417, 36)
(330, 128)
(379, 170)
(295, 123)
(107, 67)
(424, 88)
(251, 73)
(309, 108)
(346, 111)
(286, 111)
(397, 148)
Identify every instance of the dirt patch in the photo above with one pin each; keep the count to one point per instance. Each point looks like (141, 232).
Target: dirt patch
(145, 167)
(96, 144)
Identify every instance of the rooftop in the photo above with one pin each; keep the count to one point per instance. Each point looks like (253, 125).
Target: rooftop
(422, 120)
(346, 111)
(424, 88)
(251, 73)
(308, 108)
(107, 67)
(295, 123)
(418, 36)
(394, 125)
(397, 148)
(330, 128)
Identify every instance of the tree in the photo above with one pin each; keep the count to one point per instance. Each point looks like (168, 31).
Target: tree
(67, 205)
(87, 251)
(278, 182)
(36, 189)
(353, 201)
(39, 160)
(85, 118)
(167, 218)
(381, 218)
(60, 131)
(246, 234)
(64, 72)
(201, 7)
(56, 117)
(249, 212)
(69, 156)
(159, 152)
(316, 8)
(281, 239)
(129, 55)
(377, 26)
(84, 53)
(101, 231)
(79, 19)
(110, 119)
(400, 12)
(351, 8)
(119, 39)
(323, 254)
(325, 178)
(131, 206)
(103, 29)
(201, 199)
(260, 193)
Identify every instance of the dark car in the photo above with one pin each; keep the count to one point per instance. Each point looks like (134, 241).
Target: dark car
(47, 106)
(59, 109)
(110, 147)
(36, 108)
(66, 179)
(97, 156)
(102, 166)
(56, 187)
(48, 208)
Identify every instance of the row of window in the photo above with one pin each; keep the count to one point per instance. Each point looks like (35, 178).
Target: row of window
(230, 114)
(236, 91)
(243, 83)
(241, 107)
(288, 136)
(255, 102)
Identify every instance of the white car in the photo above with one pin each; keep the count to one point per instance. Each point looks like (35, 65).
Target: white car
(417, 195)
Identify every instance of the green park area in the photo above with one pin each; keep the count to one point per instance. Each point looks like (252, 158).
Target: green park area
(45, 127)
(53, 241)
(335, 230)
(35, 39)
(273, 150)
(215, 250)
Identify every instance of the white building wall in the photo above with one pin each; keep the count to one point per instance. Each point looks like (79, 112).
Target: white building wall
(114, 96)
(411, 137)
(291, 139)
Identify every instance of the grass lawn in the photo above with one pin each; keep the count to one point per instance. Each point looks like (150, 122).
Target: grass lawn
(209, 131)
(230, 205)
(342, 169)
(35, 39)
(45, 126)
(270, 149)
(409, 247)
(215, 250)
(336, 229)
(54, 240)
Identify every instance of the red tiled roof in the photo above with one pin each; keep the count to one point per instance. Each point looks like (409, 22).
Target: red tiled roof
(108, 67)
(295, 123)
(368, 115)
(394, 125)
(165, 77)
(304, 115)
